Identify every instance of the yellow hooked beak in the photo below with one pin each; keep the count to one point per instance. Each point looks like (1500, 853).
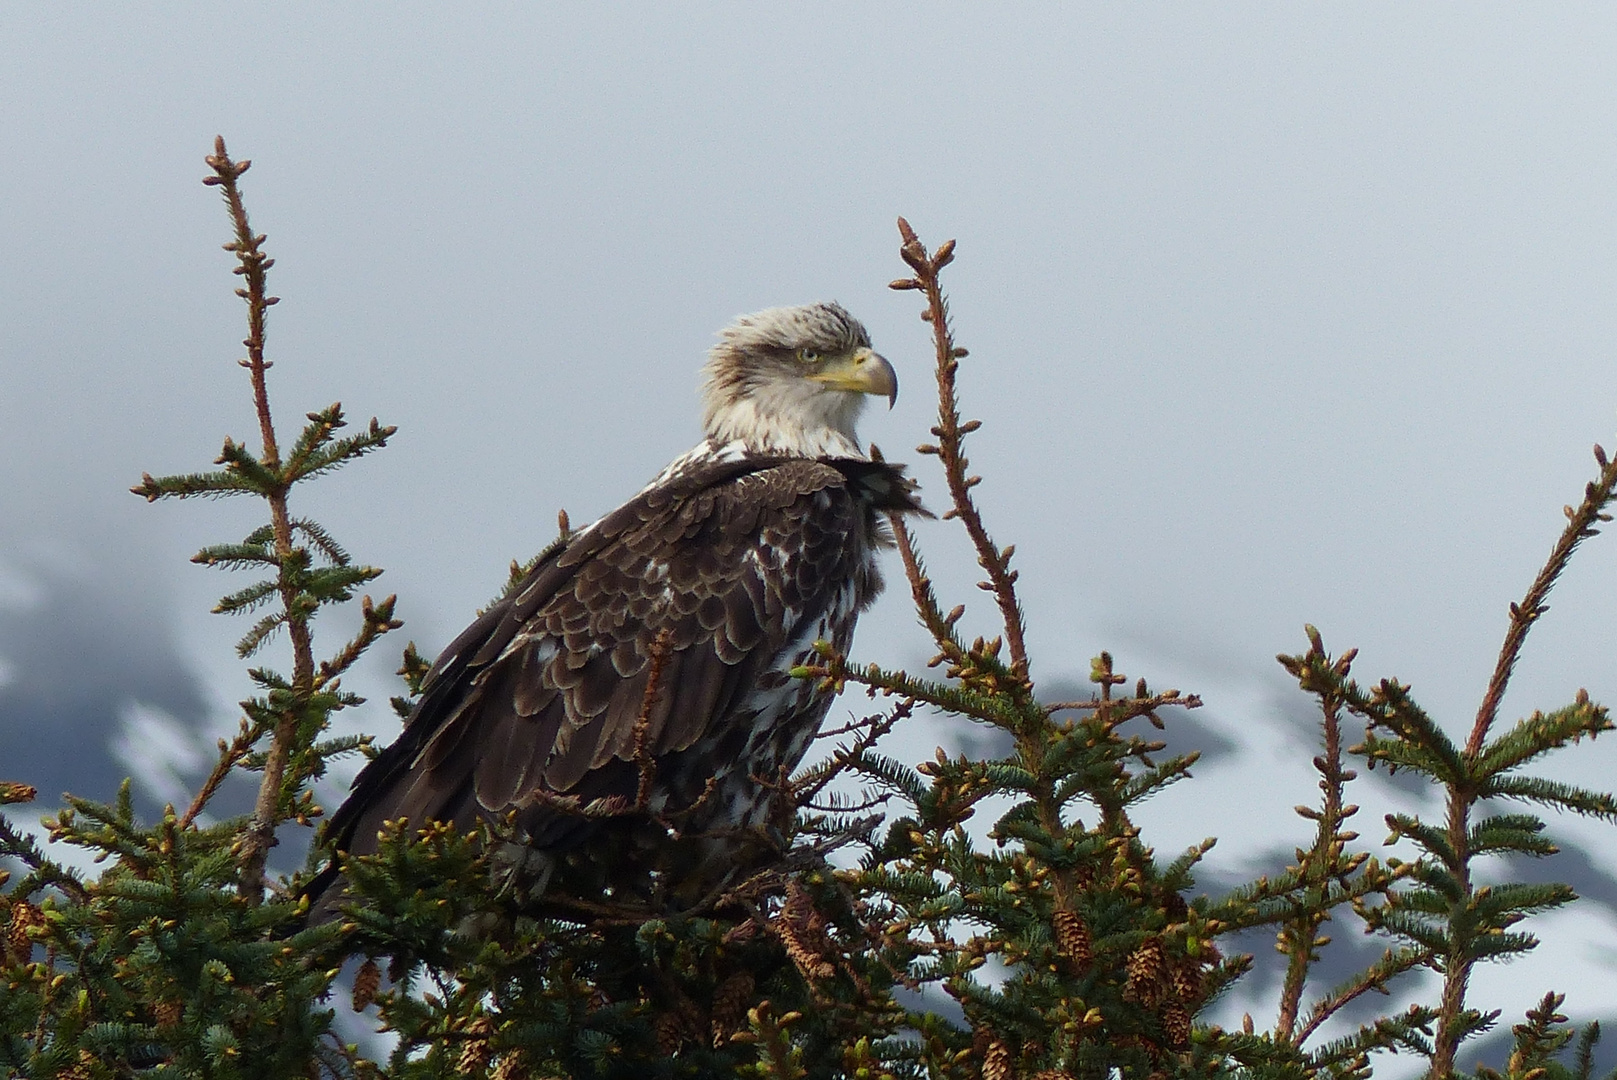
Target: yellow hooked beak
(862, 371)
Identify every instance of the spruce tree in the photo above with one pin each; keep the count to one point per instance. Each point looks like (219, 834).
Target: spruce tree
(886, 939)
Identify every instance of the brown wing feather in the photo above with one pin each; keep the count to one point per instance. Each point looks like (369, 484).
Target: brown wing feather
(545, 688)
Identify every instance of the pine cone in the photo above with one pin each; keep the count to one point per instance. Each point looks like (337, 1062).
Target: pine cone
(168, 1013)
(366, 982)
(1144, 972)
(1176, 1025)
(476, 1054)
(1073, 939)
(24, 917)
(669, 1031)
(509, 1067)
(81, 1069)
(800, 906)
(1186, 982)
(997, 1063)
(730, 1006)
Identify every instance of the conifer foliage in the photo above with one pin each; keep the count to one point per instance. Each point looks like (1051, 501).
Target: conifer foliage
(893, 933)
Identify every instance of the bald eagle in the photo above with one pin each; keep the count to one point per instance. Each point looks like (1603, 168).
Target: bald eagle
(717, 579)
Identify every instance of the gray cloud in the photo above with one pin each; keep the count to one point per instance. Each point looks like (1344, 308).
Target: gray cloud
(92, 660)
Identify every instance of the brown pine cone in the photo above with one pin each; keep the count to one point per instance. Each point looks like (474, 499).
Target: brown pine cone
(1073, 938)
(1144, 972)
(669, 1030)
(997, 1063)
(730, 1006)
(509, 1067)
(366, 981)
(1176, 1025)
(476, 1053)
(1186, 983)
(168, 1013)
(24, 917)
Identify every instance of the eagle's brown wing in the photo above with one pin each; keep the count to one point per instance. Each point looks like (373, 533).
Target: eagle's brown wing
(732, 560)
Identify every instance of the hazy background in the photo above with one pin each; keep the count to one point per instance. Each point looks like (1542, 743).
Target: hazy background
(1277, 314)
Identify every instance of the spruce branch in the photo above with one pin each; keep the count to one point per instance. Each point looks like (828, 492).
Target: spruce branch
(253, 264)
(377, 620)
(1537, 1041)
(1552, 793)
(1538, 734)
(1393, 963)
(322, 541)
(256, 550)
(951, 432)
(1477, 918)
(43, 871)
(834, 672)
(808, 785)
(230, 755)
(940, 625)
(413, 670)
(1328, 861)
(1581, 524)
(296, 708)
(191, 485)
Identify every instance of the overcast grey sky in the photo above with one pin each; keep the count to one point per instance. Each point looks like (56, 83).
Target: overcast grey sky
(1277, 314)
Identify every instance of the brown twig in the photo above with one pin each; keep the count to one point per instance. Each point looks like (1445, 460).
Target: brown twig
(1375, 979)
(842, 759)
(834, 673)
(766, 882)
(849, 728)
(939, 625)
(1325, 862)
(230, 755)
(672, 822)
(1581, 524)
(869, 802)
(606, 806)
(254, 263)
(1143, 705)
(1579, 527)
(248, 248)
(642, 725)
(599, 914)
(951, 432)
(377, 620)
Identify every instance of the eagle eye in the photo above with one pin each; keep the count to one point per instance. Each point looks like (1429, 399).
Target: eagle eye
(809, 356)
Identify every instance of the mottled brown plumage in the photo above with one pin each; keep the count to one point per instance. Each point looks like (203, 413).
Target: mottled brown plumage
(731, 564)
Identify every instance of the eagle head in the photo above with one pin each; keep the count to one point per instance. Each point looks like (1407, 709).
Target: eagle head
(793, 380)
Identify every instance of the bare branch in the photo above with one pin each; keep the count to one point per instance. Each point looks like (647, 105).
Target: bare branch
(660, 648)
(951, 432)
